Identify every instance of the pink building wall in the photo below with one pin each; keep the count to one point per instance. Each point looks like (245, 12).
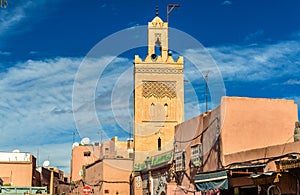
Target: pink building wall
(244, 124)
(249, 123)
(80, 158)
(107, 176)
(18, 173)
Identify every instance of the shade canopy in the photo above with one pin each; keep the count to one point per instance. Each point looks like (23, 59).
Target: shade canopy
(211, 181)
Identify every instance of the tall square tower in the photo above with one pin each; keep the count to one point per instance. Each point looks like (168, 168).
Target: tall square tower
(158, 95)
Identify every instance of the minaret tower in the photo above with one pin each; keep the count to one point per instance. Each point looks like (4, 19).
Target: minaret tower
(158, 95)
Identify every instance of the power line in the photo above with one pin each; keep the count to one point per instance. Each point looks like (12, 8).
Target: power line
(206, 92)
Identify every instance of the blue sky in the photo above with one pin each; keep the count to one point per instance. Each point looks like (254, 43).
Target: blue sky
(255, 44)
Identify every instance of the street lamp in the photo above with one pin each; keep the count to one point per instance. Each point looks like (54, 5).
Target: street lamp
(148, 167)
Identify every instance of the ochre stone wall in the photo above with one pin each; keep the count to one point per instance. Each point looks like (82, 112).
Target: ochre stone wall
(158, 95)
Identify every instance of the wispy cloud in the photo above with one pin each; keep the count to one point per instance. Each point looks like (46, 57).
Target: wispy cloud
(30, 92)
(255, 35)
(226, 3)
(36, 98)
(5, 53)
(133, 24)
(18, 12)
(292, 82)
(13, 16)
(33, 52)
(258, 62)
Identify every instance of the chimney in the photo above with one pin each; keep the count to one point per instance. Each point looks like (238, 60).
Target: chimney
(297, 131)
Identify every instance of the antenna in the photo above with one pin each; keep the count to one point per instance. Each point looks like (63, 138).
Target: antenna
(101, 136)
(38, 156)
(73, 136)
(206, 91)
(130, 130)
(170, 8)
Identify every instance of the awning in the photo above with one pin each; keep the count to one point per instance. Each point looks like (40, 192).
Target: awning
(211, 181)
(266, 178)
(156, 160)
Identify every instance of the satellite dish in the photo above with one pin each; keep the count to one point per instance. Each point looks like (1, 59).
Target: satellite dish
(16, 151)
(46, 163)
(85, 141)
(81, 173)
(75, 144)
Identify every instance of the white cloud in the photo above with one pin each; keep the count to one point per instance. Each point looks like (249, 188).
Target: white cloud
(33, 52)
(256, 62)
(226, 2)
(5, 53)
(292, 82)
(36, 98)
(31, 92)
(11, 17)
(17, 12)
(36, 102)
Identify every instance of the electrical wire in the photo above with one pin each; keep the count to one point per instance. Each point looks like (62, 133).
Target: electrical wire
(185, 141)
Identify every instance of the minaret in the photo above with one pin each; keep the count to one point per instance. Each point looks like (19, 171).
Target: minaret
(158, 95)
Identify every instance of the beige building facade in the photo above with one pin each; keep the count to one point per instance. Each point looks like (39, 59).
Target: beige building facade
(158, 95)
(110, 172)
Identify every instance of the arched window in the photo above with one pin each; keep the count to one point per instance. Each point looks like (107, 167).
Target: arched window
(159, 144)
(157, 48)
(166, 109)
(152, 111)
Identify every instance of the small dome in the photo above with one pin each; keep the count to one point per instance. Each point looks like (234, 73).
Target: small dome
(157, 20)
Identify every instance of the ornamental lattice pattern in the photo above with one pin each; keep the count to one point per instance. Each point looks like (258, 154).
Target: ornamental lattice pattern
(159, 70)
(159, 89)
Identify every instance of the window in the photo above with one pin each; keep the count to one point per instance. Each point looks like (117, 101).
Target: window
(106, 150)
(166, 109)
(179, 161)
(87, 153)
(152, 111)
(130, 153)
(196, 155)
(157, 49)
(159, 144)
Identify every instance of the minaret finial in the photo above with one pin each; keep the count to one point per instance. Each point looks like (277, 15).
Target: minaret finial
(156, 11)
